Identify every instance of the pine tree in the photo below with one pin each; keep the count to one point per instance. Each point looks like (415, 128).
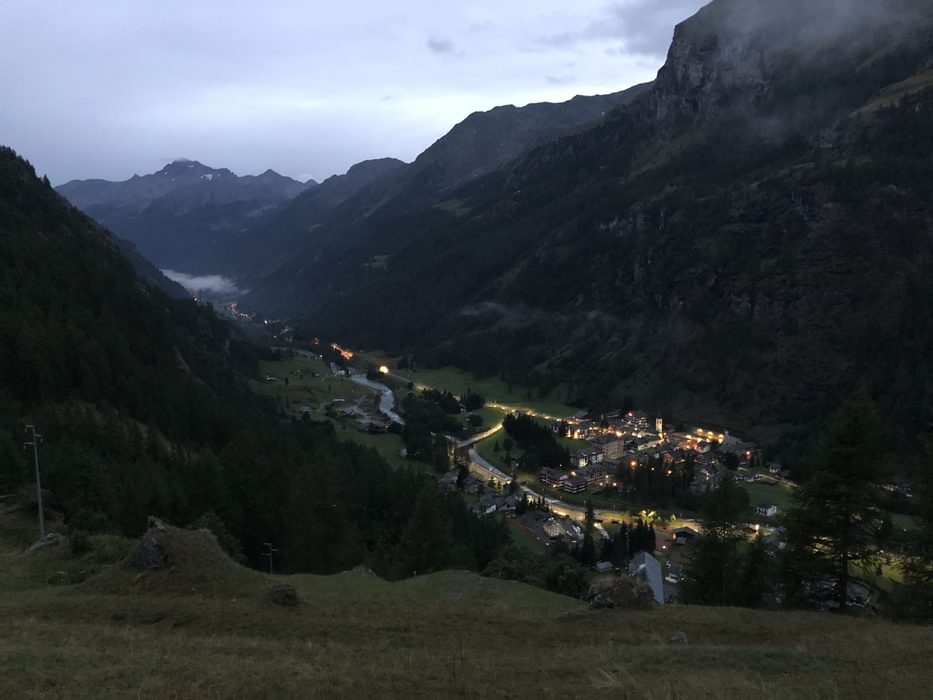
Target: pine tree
(427, 540)
(837, 511)
(713, 566)
(619, 555)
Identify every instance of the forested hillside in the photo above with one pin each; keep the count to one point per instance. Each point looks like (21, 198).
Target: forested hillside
(144, 412)
(288, 259)
(748, 240)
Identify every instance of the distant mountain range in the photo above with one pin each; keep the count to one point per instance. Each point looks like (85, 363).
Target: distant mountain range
(191, 217)
(182, 216)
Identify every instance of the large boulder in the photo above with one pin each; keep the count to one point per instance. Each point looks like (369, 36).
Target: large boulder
(52, 539)
(622, 592)
(150, 554)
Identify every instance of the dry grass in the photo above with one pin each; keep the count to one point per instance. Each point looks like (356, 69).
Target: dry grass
(449, 635)
(893, 94)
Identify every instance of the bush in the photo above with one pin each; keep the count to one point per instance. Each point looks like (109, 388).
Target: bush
(80, 542)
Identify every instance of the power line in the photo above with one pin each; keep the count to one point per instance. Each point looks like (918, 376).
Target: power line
(34, 443)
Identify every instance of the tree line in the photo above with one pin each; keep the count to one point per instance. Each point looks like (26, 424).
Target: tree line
(837, 538)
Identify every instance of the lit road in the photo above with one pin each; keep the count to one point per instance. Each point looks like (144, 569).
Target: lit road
(482, 468)
(485, 469)
(531, 412)
(481, 436)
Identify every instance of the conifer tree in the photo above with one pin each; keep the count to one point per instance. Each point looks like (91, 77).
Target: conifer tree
(713, 567)
(837, 513)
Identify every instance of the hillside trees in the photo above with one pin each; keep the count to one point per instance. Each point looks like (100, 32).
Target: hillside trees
(143, 410)
(915, 599)
(723, 568)
(538, 442)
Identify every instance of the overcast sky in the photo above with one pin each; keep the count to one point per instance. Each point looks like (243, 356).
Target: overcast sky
(108, 89)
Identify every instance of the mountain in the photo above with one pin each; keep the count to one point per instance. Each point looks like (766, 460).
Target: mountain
(273, 242)
(147, 406)
(741, 243)
(149, 273)
(182, 216)
(320, 224)
(485, 141)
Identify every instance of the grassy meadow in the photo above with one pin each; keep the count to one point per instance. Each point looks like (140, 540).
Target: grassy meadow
(205, 629)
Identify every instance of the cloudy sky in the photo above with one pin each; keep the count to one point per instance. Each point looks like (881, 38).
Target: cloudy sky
(109, 89)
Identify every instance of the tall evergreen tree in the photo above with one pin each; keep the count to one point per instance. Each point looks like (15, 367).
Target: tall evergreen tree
(427, 540)
(712, 572)
(837, 511)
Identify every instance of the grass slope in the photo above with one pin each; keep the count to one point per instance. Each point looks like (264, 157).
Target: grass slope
(451, 634)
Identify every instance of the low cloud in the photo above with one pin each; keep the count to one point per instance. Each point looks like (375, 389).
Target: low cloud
(561, 79)
(215, 284)
(640, 26)
(441, 46)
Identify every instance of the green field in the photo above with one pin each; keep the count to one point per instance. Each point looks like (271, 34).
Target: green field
(523, 538)
(486, 448)
(305, 390)
(760, 493)
(316, 392)
(572, 445)
(491, 417)
(388, 445)
(905, 522)
(493, 389)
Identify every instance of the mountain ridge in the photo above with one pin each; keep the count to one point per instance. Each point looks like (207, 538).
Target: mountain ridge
(634, 258)
(182, 216)
(476, 146)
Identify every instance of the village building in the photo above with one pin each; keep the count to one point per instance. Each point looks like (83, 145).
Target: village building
(647, 568)
(768, 510)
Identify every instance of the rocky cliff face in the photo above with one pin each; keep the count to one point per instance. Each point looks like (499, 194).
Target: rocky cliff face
(733, 53)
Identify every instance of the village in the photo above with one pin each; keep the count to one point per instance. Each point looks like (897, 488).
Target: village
(627, 464)
(550, 508)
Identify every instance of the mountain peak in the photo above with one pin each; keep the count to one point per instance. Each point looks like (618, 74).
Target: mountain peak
(183, 166)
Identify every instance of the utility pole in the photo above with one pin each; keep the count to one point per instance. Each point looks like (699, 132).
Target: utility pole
(34, 443)
(268, 553)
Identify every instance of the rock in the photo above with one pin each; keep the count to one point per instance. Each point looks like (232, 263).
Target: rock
(59, 578)
(149, 555)
(284, 595)
(623, 592)
(52, 539)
